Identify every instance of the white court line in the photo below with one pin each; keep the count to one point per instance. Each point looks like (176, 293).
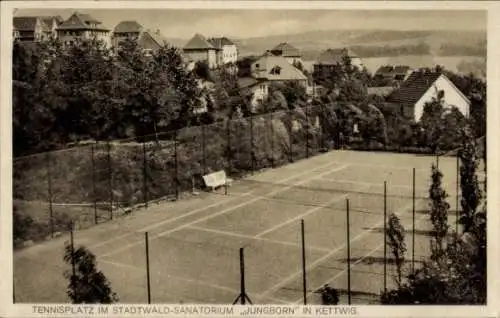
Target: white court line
(250, 237)
(188, 280)
(255, 199)
(150, 227)
(353, 265)
(298, 217)
(325, 257)
(372, 184)
(388, 167)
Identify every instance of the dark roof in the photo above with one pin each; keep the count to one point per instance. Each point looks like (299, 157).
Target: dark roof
(127, 27)
(414, 88)
(198, 42)
(220, 42)
(401, 69)
(79, 21)
(286, 50)
(334, 56)
(48, 19)
(383, 70)
(26, 23)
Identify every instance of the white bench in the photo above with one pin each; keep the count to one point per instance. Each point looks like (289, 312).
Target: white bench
(216, 179)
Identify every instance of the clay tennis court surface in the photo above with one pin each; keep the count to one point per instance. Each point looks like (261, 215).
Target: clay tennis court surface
(194, 243)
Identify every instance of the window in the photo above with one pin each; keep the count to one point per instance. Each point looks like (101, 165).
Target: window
(276, 70)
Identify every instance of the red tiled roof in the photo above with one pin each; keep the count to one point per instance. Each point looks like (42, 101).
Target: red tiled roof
(127, 27)
(413, 88)
(286, 50)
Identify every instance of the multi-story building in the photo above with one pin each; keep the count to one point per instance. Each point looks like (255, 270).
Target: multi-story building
(200, 49)
(265, 71)
(289, 52)
(80, 26)
(148, 40)
(227, 51)
(30, 29)
(52, 22)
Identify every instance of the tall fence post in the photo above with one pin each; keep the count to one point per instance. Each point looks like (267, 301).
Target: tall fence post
(176, 167)
(457, 214)
(252, 155)
(204, 158)
(307, 131)
(272, 140)
(413, 225)
(92, 151)
(304, 279)
(49, 189)
(290, 139)
(242, 297)
(148, 281)
(385, 236)
(144, 173)
(348, 230)
(110, 169)
(229, 155)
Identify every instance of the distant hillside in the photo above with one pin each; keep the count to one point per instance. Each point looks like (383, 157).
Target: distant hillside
(375, 43)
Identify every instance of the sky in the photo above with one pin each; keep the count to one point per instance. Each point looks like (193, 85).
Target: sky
(179, 23)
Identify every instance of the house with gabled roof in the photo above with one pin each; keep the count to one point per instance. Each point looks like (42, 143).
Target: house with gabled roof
(198, 48)
(420, 88)
(52, 22)
(288, 51)
(265, 71)
(393, 73)
(227, 50)
(331, 58)
(81, 26)
(149, 41)
(31, 29)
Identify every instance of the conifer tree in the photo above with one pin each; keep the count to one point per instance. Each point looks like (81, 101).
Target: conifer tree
(88, 285)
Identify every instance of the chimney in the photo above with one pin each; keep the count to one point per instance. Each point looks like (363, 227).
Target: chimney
(157, 32)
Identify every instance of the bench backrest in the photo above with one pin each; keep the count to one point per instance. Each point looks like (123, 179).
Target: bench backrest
(215, 179)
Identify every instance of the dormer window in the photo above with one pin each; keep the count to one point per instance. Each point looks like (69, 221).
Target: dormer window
(276, 70)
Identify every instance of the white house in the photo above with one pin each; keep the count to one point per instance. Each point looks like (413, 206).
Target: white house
(227, 51)
(265, 71)
(421, 87)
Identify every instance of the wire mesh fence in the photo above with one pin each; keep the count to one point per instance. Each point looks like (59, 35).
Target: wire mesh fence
(97, 181)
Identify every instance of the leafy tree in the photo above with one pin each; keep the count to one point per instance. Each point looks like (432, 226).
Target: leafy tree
(294, 93)
(396, 242)
(431, 122)
(88, 285)
(469, 183)
(439, 209)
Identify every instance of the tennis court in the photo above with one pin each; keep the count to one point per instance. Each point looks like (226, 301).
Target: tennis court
(194, 244)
